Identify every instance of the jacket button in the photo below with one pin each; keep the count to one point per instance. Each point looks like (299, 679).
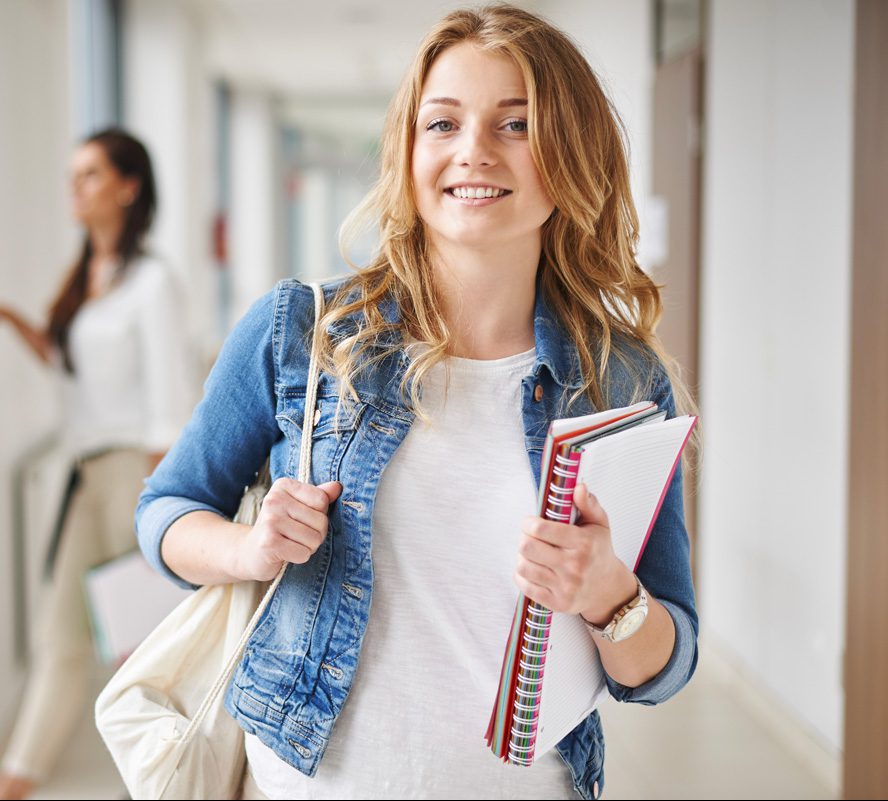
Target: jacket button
(317, 416)
(301, 749)
(538, 393)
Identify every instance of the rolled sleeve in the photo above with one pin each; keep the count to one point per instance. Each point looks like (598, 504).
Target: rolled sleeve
(677, 672)
(155, 518)
(228, 437)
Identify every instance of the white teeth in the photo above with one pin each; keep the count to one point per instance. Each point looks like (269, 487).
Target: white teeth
(477, 192)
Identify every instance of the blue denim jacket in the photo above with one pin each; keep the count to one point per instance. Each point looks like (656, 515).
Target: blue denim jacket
(299, 664)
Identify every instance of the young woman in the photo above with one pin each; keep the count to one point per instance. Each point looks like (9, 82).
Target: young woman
(505, 294)
(115, 335)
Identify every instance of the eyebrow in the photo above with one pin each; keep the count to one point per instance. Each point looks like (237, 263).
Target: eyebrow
(452, 101)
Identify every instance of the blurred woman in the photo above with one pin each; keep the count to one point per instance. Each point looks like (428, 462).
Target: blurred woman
(115, 334)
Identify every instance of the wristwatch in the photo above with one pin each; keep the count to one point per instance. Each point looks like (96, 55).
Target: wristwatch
(626, 621)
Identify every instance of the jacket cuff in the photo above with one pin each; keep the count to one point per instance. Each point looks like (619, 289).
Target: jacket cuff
(152, 524)
(674, 675)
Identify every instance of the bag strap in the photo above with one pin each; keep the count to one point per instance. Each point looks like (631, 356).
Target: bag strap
(311, 392)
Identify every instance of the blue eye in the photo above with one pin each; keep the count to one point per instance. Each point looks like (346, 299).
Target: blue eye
(442, 126)
(517, 126)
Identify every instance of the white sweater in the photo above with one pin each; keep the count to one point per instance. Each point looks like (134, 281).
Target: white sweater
(134, 381)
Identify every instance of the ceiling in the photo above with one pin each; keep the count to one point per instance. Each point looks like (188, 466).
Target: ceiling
(335, 47)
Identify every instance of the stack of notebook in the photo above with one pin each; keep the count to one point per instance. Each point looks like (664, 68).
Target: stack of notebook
(552, 677)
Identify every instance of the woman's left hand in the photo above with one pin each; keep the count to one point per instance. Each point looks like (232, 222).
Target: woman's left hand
(573, 568)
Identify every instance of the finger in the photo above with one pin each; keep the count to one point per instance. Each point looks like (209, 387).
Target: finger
(591, 511)
(281, 507)
(333, 490)
(311, 518)
(536, 592)
(541, 529)
(539, 552)
(295, 531)
(309, 494)
(541, 575)
(296, 552)
(552, 533)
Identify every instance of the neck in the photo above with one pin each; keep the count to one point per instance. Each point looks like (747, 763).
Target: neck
(489, 297)
(105, 238)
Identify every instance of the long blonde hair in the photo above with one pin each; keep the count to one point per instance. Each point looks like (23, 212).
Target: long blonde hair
(588, 268)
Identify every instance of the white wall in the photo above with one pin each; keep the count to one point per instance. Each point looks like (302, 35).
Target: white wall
(168, 104)
(775, 346)
(316, 245)
(38, 243)
(254, 180)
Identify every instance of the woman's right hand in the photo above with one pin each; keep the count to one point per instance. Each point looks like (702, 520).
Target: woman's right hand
(34, 338)
(291, 526)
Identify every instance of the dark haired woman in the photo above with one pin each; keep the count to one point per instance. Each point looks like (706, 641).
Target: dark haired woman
(115, 334)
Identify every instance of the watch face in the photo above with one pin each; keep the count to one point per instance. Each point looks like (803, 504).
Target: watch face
(629, 623)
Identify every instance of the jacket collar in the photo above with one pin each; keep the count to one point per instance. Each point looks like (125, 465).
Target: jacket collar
(555, 351)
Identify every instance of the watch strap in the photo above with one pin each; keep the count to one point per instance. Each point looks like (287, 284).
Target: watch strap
(607, 633)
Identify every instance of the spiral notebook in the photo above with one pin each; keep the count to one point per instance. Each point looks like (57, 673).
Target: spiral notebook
(552, 677)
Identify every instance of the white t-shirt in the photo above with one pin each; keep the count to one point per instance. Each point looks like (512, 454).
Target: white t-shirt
(134, 381)
(446, 527)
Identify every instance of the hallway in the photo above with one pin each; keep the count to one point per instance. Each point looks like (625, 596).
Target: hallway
(754, 194)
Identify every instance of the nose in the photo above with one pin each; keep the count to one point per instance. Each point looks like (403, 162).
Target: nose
(477, 147)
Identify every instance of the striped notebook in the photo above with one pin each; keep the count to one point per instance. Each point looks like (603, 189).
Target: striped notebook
(552, 677)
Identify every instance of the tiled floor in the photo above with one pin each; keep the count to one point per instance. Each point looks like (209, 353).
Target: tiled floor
(706, 743)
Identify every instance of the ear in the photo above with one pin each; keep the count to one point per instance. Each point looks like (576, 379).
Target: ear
(132, 191)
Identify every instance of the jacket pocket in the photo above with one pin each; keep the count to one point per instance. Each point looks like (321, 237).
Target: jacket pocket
(331, 437)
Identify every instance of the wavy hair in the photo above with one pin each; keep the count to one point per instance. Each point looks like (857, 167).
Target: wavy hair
(588, 268)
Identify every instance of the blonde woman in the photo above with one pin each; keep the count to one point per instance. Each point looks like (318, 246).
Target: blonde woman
(115, 336)
(505, 294)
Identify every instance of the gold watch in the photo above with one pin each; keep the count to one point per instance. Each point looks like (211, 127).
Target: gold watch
(626, 621)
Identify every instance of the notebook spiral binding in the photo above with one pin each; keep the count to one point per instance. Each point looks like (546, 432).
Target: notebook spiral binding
(535, 638)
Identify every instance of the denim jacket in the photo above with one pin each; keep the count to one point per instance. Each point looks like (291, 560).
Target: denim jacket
(300, 662)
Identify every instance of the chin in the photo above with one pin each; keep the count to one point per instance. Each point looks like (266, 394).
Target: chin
(478, 240)
(484, 236)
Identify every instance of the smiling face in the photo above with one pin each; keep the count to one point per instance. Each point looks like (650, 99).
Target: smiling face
(99, 193)
(474, 179)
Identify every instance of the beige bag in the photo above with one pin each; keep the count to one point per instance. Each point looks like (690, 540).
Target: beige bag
(162, 714)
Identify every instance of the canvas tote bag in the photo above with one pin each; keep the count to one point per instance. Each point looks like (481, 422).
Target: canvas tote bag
(162, 715)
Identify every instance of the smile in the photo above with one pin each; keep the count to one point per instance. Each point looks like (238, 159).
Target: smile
(477, 195)
(476, 192)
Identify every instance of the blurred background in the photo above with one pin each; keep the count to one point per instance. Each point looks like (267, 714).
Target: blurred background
(762, 182)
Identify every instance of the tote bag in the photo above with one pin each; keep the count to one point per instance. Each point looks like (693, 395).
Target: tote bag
(162, 715)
